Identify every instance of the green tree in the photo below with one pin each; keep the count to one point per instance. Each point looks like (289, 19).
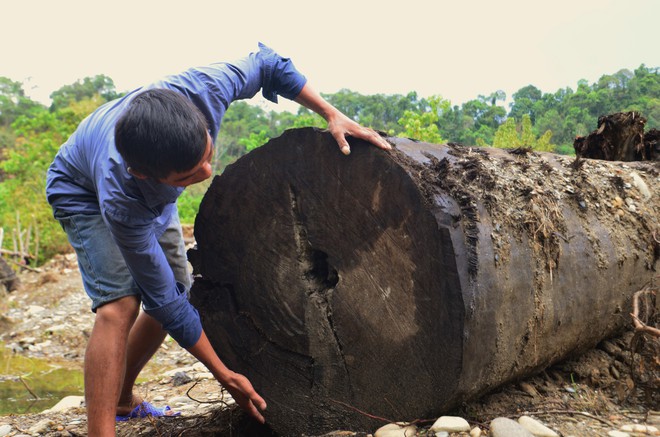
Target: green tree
(509, 135)
(38, 137)
(87, 88)
(379, 111)
(423, 125)
(525, 103)
(14, 102)
(486, 116)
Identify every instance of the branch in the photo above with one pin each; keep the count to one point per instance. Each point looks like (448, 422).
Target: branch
(23, 266)
(371, 416)
(639, 325)
(582, 413)
(36, 398)
(17, 254)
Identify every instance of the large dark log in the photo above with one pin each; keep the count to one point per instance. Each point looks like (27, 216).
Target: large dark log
(402, 283)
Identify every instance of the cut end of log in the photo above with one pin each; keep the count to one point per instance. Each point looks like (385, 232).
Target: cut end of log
(346, 250)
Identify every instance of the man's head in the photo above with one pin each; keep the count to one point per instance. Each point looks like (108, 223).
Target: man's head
(162, 135)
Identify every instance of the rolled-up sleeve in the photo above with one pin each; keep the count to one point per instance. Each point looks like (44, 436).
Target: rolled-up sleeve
(162, 297)
(280, 76)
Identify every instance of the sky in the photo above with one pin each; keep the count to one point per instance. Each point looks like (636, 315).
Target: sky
(458, 49)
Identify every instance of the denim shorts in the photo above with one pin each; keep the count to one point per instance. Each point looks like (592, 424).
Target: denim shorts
(104, 272)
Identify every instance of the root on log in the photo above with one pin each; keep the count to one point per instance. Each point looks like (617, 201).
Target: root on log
(402, 283)
(619, 137)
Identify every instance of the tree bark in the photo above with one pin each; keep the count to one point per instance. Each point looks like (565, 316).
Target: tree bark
(399, 284)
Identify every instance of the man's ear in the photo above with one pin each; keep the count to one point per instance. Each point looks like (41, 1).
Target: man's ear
(136, 173)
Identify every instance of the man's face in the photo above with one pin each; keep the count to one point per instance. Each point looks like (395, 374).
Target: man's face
(198, 173)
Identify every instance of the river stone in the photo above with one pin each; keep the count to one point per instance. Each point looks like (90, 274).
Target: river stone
(41, 427)
(180, 378)
(35, 309)
(396, 430)
(178, 400)
(451, 424)
(536, 427)
(4, 430)
(644, 429)
(618, 434)
(503, 427)
(66, 403)
(199, 367)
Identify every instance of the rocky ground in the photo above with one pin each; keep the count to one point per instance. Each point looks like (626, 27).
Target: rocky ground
(607, 391)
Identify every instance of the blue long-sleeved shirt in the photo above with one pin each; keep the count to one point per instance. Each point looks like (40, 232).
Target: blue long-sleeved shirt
(89, 176)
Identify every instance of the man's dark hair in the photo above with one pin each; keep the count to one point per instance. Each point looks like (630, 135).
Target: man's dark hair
(161, 131)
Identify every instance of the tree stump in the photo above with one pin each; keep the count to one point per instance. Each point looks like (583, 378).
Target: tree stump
(619, 137)
(395, 285)
(8, 279)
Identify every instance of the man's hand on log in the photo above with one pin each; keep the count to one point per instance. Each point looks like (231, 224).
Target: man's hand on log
(246, 397)
(236, 384)
(339, 125)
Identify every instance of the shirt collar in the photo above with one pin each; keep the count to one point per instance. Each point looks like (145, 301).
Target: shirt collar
(156, 193)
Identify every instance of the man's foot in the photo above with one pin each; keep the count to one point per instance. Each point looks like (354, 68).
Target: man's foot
(125, 407)
(145, 409)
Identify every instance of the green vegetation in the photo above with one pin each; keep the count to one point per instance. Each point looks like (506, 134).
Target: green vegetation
(31, 133)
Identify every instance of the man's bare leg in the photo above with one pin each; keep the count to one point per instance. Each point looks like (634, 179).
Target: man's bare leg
(105, 363)
(145, 338)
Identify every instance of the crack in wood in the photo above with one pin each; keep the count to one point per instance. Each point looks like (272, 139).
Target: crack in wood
(320, 280)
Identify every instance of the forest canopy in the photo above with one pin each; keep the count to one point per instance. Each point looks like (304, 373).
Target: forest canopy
(31, 133)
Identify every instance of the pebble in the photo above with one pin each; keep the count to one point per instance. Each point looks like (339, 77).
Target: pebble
(536, 427)
(615, 373)
(450, 424)
(4, 430)
(35, 309)
(396, 430)
(618, 434)
(645, 429)
(187, 369)
(41, 427)
(66, 403)
(199, 367)
(442, 434)
(654, 417)
(203, 375)
(180, 378)
(180, 400)
(476, 432)
(503, 427)
(58, 328)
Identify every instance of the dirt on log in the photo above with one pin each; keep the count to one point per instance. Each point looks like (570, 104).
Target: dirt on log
(399, 284)
(620, 137)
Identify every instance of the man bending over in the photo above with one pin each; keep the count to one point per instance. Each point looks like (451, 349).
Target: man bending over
(113, 186)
